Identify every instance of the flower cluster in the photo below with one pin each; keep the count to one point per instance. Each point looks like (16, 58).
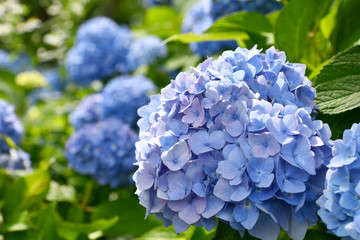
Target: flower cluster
(102, 49)
(204, 13)
(145, 51)
(234, 139)
(15, 160)
(104, 150)
(339, 204)
(10, 126)
(121, 97)
(15, 65)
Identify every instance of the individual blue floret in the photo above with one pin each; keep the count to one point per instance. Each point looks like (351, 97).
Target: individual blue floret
(100, 50)
(105, 151)
(15, 160)
(89, 110)
(233, 140)
(122, 96)
(339, 204)
(145, 51)
(204, 13)
(10, 126)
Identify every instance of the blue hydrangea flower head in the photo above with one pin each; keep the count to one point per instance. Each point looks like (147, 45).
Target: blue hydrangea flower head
(100, 50)
(54, 78)
(15, 65)
(10, 126)
(154, 3)
(122, 96)
(203, 14)
(105, 151)
(89, 110)
(144, 51)
(339, 204)
(15, 160)
(234, 140)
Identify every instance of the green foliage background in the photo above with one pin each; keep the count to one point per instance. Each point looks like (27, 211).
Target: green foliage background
(55, 202)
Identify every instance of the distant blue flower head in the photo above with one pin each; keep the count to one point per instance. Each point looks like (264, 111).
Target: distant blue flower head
(104, 150)
(10, 126)
(122, 96)
(89, 110)
(15, 160)
(54, 79)
(15, 65)
(233, 139)
(340, 204)
(153, 3)
(100, 50)
(204, 13)
(144, 51)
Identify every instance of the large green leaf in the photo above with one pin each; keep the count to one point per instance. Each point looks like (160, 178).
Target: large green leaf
(242, 22)
(162, 21)
(294, 23)
(338, 84)
(347, 30)
(216, 36)
(131, 216)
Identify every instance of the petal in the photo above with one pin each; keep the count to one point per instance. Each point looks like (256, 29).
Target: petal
(217, 139)
(179, 225)
(293, 186)
(213, 206)
(265, 228)
(188, 215)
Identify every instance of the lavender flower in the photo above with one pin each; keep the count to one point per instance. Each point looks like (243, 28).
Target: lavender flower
(217, 142)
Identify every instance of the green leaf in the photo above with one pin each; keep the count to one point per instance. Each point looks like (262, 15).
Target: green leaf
(294, 23)
(191, 37)
(226, 232)
(45, 226)
(70, 230)
(162, 21)
(251, 22)
(338, 84)
(131, 216)
(347, 30)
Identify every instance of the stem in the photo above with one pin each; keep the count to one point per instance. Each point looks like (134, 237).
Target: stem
(87, 195)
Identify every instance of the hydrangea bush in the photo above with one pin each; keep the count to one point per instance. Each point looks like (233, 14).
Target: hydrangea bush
(103, 150)
(339, 204)
(203, 14)
(234, 139)
(15, 160)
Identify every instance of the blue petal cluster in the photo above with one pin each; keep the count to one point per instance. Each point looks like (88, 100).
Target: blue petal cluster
(54, 79)
(234, 139)
(104, 150)
(120, 99)
(203, 14)
(104, 48)
(15, 65)
(10, 126)
(124, 95)
(89, 110)
(15, 160)
(101, 48)
(154, 3)
(145, 51)
(340, 202)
